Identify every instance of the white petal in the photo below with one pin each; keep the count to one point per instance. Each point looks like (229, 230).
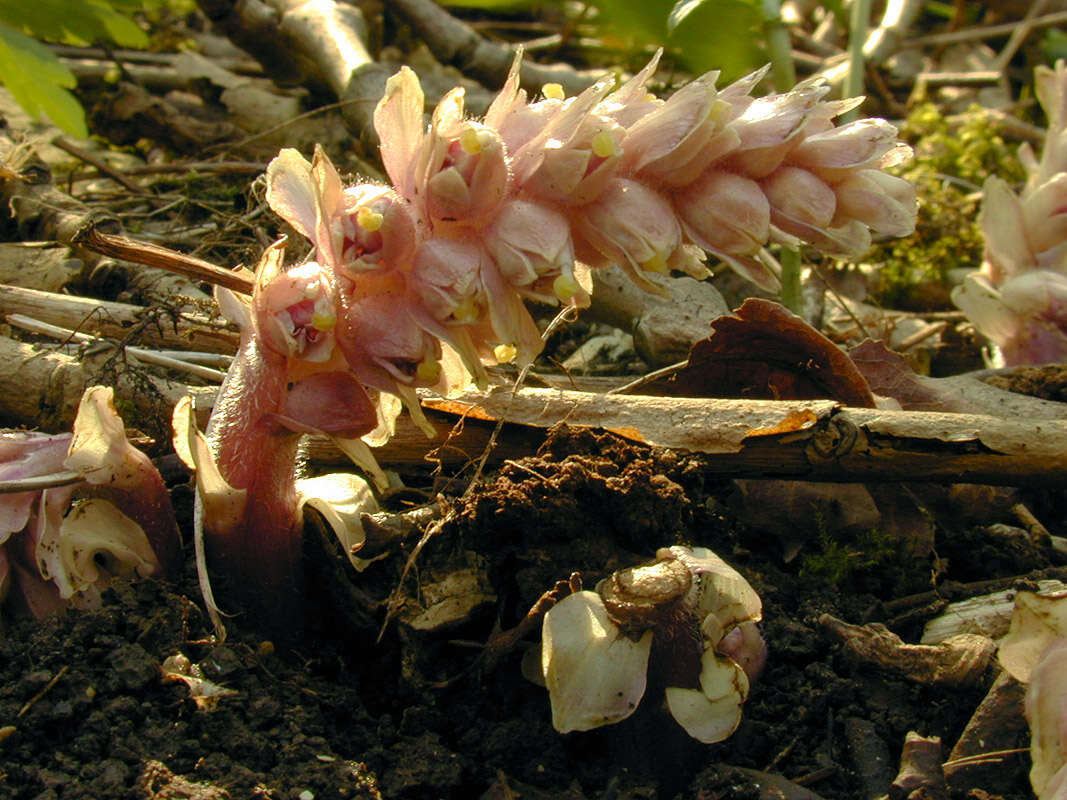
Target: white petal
(595, 675)
(713, 712)
(1037, 622)
(341, 498)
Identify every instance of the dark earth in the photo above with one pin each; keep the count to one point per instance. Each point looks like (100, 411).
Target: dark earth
(86, 712)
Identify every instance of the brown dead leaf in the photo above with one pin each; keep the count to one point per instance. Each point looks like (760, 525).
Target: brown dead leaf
(763, 351)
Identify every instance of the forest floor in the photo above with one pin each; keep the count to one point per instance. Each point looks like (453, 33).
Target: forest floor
(365, 704)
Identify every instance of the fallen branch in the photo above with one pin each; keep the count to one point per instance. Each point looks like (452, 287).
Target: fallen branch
(154, 327)
(42, 388)
(816, 440)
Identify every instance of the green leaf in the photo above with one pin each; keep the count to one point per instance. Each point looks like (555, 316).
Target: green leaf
(72, 21)
(37, 81)
(681, 10)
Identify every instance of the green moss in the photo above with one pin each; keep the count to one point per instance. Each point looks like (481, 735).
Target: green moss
(953, 157)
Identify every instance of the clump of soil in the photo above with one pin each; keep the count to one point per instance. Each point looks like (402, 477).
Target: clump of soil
(421, 713)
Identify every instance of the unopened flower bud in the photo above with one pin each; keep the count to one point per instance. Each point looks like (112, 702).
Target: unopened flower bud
(770, 128)
(800, 196)
(725, 213)
(882, 202)
(835, 153)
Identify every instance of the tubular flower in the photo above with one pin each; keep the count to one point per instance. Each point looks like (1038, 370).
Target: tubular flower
(632, 226)
(1019, 297)
(531, 245)
(461, 169)
(378, 230)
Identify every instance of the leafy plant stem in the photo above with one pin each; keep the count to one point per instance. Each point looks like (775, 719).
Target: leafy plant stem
(779, 47)
(859, 16)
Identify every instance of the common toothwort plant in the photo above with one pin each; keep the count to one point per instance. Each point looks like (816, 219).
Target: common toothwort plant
(419, 284)
(111, 516)
(1019, 297)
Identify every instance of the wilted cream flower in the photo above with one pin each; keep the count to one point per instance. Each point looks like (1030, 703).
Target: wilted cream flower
(689, 603)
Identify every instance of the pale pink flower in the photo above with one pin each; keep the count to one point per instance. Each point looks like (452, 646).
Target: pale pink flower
(798, 196)
(308, 197)
(378, 230)
(725, 213)
(677, 140)
(531, 245)
(398, 121)
(630, 225)
(461, 168)
(769, 128)
(838, 152)
(883, 202)
(729, 216)
(353, 230)
(383, 343)
(295, 314)
(468, 303)
(1026, 316)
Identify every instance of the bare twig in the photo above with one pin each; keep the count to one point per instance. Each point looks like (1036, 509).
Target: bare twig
(152, 255)
(100, 164)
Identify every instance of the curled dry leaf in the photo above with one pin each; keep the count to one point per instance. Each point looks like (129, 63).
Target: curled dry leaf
(962, 660)
(764, 351)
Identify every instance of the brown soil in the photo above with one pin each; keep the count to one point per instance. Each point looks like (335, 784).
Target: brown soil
(424, 715)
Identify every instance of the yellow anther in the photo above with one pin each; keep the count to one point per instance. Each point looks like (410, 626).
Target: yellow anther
(553, 91)
(428, 371)
(719, 110)
(604, 145)
(656, 264)
(323, 321)
(565, 287)
(467, 311)
(649, 97)
(505, 353)
(471, 141)
(369, 219)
